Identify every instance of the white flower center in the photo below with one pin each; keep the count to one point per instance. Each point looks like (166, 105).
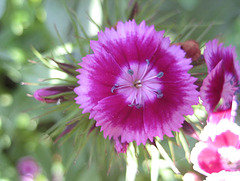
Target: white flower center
(230, 157)
(139, 83)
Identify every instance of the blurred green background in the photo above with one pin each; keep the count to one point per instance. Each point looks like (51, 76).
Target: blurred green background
(33, 23)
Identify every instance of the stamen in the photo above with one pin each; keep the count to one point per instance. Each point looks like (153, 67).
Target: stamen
(130, 72)
(145, 70)
(114, 87)
(159, 94)
(135, 86)
(160, 74)
(138, 106)
(147, 61)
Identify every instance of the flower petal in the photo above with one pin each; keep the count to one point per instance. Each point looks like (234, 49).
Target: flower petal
(212, 87)
(205, 159)
(117, 119)
(213, 54)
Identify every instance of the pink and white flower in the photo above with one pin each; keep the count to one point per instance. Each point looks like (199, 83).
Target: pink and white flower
(135, 85)
(219, 148)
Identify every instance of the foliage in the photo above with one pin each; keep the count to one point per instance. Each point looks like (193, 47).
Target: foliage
(35, 34)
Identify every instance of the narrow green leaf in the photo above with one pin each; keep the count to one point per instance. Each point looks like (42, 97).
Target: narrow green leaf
(98, 26)
(64, 46)
(185, 145)
(190, 32)
(43, 60)
(166, 156)
(170, 144)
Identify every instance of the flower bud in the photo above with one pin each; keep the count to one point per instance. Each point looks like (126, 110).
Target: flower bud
(68, 129)
(189, 130)
(191, 176)
(52, 94)
(27, 166)
(67, 68)
(191, 48)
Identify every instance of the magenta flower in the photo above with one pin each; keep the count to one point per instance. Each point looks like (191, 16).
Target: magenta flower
(135, 85)
(222, 82)
(219, 148)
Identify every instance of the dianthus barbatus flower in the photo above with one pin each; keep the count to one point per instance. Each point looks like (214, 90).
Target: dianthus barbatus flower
(222, 82)
(135, 85)
(219, 148)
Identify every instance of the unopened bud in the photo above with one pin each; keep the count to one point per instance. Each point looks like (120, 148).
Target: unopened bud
(191, 176)
(191, 48)
(68, 129)
(189, 130)
(67, 68)
(52, 94)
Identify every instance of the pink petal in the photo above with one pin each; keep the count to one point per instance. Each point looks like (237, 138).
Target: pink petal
(213, 54)
(212, 87)
(225, 139)
(209, 160)
(117, 119)
(205, 159)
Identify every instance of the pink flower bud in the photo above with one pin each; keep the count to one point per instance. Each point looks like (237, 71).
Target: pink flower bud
(50, 94)
(27, 166)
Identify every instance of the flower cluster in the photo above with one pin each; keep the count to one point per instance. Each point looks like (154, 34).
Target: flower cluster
(217, 153)
(218, 149)
(136, 85)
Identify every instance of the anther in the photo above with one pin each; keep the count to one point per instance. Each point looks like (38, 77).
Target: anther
(136, 105)
(130, 72)
(147, 61)
(159, 94)
(160, 74)
(114, 87)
